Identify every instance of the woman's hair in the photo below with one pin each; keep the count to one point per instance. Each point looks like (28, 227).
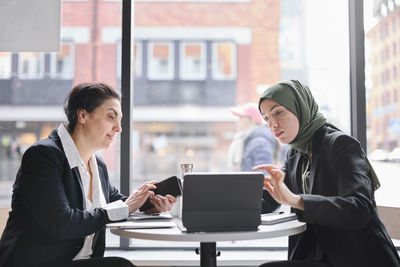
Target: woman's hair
(87, 96)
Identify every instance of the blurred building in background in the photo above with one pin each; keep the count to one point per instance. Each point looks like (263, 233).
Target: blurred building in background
(192, 61)
(383, 76)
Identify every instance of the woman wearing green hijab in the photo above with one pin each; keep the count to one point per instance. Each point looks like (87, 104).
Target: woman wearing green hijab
(328, 182)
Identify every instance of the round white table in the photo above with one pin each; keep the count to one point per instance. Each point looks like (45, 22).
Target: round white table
(208, 240)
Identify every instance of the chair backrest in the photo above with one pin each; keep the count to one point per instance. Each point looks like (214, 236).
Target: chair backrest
(3, 218)
(390, 217)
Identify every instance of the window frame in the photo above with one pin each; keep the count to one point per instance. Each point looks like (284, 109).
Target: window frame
(214, 60)
(138, 59)
(171, 61)
(203, 57)
(34, 76)
(7, 75)
(65, 76)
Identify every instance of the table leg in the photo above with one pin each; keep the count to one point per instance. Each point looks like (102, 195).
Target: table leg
(208, 257)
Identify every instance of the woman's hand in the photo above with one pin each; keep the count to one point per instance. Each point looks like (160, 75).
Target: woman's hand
(139, 196)
(161, 203)
(278, 189)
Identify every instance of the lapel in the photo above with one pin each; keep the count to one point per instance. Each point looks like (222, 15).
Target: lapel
(77, 176)
(316, 152)
(294, 172)
(102, 181)
(297, 182)
(314, 164)
(54, 135)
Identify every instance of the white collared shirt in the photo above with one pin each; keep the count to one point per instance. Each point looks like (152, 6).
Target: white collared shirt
(117, 211)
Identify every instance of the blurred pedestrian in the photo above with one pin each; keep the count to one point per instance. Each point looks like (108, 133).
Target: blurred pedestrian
(253, 144)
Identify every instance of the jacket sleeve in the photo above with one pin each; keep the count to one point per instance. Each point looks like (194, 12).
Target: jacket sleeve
(42, 191)
(351, 206)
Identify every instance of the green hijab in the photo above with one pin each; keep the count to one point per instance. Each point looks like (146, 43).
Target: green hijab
(297, 98)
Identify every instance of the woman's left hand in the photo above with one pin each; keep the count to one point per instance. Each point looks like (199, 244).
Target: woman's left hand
(139, 196)
(278, 189)
(161, 203)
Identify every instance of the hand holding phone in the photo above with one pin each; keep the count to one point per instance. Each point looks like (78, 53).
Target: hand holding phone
(170, 186)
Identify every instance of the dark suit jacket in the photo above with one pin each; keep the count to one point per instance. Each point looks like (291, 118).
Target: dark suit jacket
(340, 213)
(48, 221)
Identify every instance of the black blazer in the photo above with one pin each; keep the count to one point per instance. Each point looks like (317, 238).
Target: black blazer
(48, 221)
(340, 212)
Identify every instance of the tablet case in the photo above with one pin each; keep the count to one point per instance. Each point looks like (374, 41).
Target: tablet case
(222, 201)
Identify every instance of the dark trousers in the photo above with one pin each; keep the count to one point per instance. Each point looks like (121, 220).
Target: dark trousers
(297, 263)
(103, 262)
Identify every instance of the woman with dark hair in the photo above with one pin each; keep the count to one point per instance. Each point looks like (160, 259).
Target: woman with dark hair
(328, 182)
(62, 189)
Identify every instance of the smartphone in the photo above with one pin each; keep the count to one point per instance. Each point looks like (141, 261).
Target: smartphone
(170, 186)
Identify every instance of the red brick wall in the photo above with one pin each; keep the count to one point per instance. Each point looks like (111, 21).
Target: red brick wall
(74, 14)
(257, 63)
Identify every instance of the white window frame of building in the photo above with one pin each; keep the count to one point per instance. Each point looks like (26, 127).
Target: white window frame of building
(33, 75)
(118, 59)
(138, 59)
(151, 70)
(5, 65)
(184, 69)
(215, 73)
(71, 59)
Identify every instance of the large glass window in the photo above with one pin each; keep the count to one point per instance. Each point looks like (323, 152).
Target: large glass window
(185, 118)
(383, 112)
(34, 85)
(188, 71)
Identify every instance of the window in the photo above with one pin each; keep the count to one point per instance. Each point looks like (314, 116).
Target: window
(137, 58)
(31, 65)
(241, 60)
(192, 61)
(62, 63)
(5, 65)
(224, 61)
(160, 61)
